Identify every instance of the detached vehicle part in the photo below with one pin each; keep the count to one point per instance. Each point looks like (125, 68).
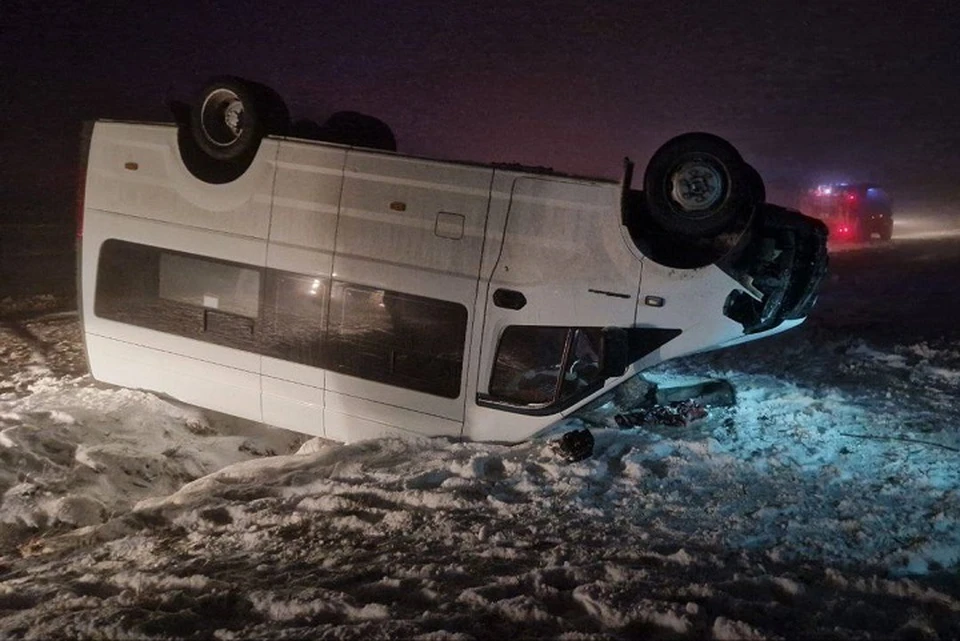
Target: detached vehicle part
(575, 445)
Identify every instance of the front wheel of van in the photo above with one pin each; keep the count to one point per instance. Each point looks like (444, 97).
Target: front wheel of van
(697, 185)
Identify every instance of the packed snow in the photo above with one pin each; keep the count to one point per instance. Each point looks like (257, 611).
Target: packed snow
(825, 503)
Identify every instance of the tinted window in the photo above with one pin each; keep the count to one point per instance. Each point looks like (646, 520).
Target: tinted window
(200, 282)
(398, 339)
(207, 299)
(389, 337)
(294, 311)
(540, 366)
(527, 370)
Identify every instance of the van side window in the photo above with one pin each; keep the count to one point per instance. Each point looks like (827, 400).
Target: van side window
(294, 315)
(542, 366)
(203, 298)
(398, 339)
(389, 337)
(231, 289)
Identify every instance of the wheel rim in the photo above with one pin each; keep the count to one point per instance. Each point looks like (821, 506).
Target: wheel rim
(696, 186)
(221, 117)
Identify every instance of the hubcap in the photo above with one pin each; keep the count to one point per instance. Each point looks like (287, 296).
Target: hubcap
(221, 117)
(696, 186)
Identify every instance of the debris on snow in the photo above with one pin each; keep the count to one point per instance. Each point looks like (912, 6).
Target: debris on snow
(676, 414)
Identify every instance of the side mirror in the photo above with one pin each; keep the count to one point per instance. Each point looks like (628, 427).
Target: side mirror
(616, 350)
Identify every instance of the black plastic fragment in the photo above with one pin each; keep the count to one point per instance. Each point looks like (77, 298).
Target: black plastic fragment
(574, 446)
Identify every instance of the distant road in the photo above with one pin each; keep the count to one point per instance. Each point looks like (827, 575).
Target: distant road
(908, 227)
(884, 292)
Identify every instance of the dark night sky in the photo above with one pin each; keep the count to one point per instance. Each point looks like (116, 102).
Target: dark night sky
(807, 91)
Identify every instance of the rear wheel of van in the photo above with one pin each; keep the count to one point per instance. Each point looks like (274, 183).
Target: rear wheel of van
(232, 116)
(226, 124)
(696, 186)
(758, 191)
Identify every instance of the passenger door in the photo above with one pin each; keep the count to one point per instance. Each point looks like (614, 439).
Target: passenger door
(562, 274)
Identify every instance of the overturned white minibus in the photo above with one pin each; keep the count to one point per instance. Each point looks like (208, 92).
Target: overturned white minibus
(338, 288)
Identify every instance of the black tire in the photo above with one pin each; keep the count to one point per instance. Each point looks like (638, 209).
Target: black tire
(696, 185)
(758, 190)
(358, 130)
(204, 167)
(306, 129)
(231, 117)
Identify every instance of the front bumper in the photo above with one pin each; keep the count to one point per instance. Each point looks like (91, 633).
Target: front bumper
(782, 267)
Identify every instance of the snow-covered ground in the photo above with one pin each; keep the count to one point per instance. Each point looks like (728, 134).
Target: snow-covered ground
(824, 504)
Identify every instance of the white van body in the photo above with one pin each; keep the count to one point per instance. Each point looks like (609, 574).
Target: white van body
(347, 229)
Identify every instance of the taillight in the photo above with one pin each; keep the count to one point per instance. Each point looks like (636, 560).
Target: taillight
(81, 184)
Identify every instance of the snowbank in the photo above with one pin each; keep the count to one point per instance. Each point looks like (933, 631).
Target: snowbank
(825, 504)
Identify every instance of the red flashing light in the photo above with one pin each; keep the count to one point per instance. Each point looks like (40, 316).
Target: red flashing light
(842, 231)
